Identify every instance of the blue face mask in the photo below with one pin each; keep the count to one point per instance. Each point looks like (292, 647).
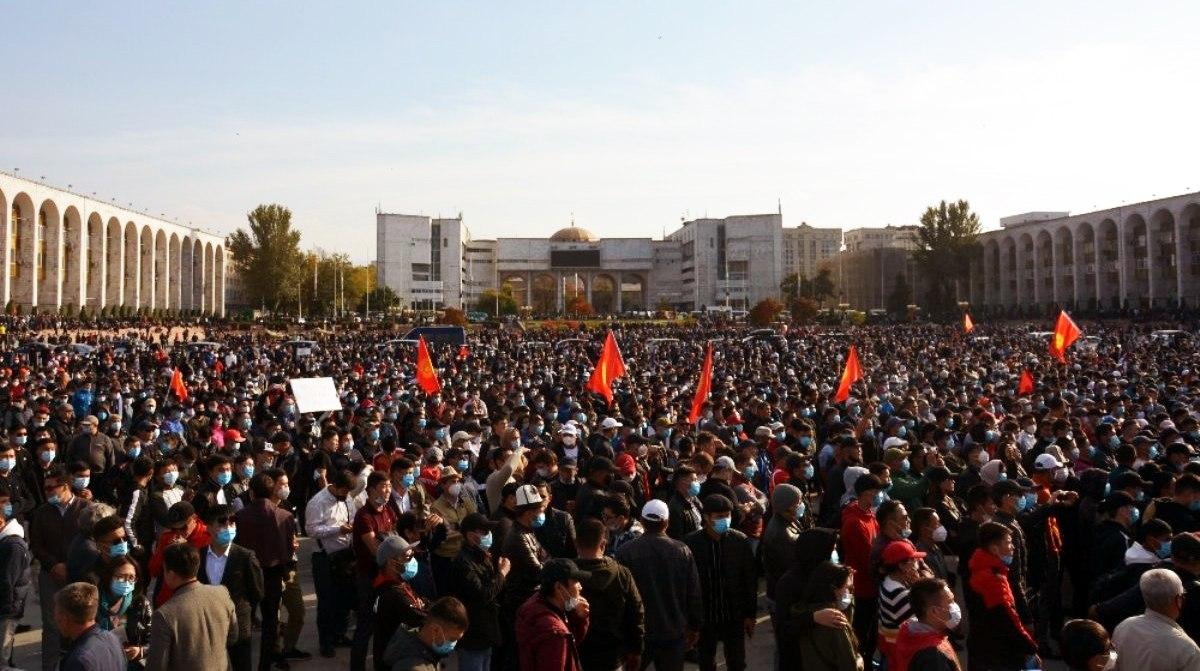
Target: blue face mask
(440, 434)
(408, 480)
(225, 535)
(8, 511)
(54, 499)
(809, 472)
(1022, 504)
(877, 500)
(463, 465)
(121, 588)
(1007, 559)
(7, 464)
(80, 483)
(247, 472)
(905, 466)
(1114, 442)
(445, 647)
(1153, 452)
(374, 434)
(902, 431)
(21, 440)
(410, 569)
(835, 557)
(135, 452)
(845, 600)
(224, 478)
(485, 541)
(694, 489)
(1164, 550)
(539, 521)
(749, 472)
(991, 436)
(801, 508)
(118, 549)
(721, 525)
(805, 441)
(1134, 515)
(170, 477)
(421, 423)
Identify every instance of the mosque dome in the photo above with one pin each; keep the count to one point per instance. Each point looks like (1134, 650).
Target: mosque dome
(573, 234)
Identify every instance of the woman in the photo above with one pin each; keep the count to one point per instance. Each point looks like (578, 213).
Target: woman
(124, 610)
(830, 648)
(1086, 646)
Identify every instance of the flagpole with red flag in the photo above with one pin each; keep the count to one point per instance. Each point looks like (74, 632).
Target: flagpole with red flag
(1025, 386)
(968, 325)
(177, 385)
(609, 367)
(1065, 333)
(852, 373)
(703, 386)
(427, 378)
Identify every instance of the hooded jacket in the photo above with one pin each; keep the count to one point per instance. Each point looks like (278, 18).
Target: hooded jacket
(617, 617)
(14, 571)
(922, 648)
(813, 547)
(547, 638)
(1007, 643)
(859, 529)
(406, 652)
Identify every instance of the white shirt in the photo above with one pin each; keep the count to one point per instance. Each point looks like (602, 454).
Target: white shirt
(214, 565)
(404, 503)
(1154, 642)
(323, 518)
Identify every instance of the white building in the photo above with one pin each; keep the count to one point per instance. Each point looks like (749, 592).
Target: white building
(806, 247)
(64, 249)
(888, 237)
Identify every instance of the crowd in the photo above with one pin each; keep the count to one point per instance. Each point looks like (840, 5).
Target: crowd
(154, 495)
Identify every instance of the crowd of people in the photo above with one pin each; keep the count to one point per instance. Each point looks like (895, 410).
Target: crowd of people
(155, 494)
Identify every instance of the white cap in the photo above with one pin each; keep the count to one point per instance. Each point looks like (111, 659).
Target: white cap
(610, 423)
(655, 511)
(527, 494)
(459, 435)
(724, 462)
(1046, 462)
(567, 430)
(894, 441)
(763, 430)
(993, 472)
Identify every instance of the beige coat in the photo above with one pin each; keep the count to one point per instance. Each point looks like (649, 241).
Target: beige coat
(192, 629)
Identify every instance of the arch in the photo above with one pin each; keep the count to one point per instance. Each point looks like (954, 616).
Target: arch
(633, 292)
(1062, 272)
(1163, 270)
(573, 286)
(1025, 286)
(161, 268)
(146, 272)
(174, 259)
(1137, 265)
(198, 268)
(209, 284)
(93, 263)
(545, 293)
(518, 285)
(49, 248)
(991, 272)
(1008, 271)
(1085, 265)
(1189, 264)
(5, 235)
(132, 267)
(1108, 264)
(114, 266)
(1043, 270)
(604, 294)
(72, 256)
(219, 284)
(185, 274)
(21, 265)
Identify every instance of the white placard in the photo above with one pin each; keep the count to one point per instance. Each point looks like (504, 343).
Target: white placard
(315, 394)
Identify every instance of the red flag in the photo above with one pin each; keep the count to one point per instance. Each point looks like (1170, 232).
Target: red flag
(1065, 333)
(1025, 386)
(853, 373)
(427, 378)
(703, 386)
(463, 352)
(177, 385)
(609, 367)
(968, 325)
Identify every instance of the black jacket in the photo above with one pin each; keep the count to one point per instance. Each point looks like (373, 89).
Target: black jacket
(666, 577)
(396, 606)
(1110, 541)
(778, 550)
(685, 516)
(736, 584)
(1181, 519)
(557, 535)
(243, 579)
(617, 622)
(475, 581)
(527, 555)
(1129, 603)
(14, 576)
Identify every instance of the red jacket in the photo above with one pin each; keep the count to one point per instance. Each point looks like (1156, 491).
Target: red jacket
(545, 639)
(859, 529)
(199, 539)
(1008, 638)
(914, 638)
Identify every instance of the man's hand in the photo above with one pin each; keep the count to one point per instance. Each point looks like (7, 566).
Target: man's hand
(831, 618)
(583, 608)
(503, 565)
(132, 652)
(690, 639)
(346, 529)
(59, 572)
(748, 626)
(85, 494)
(432, 522)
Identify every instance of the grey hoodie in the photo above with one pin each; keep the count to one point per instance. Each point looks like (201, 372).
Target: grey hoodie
(406, 652)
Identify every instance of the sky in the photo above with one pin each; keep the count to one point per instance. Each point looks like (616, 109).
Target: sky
(625, 116)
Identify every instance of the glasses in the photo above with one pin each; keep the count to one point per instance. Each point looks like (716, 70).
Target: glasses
(125, 577)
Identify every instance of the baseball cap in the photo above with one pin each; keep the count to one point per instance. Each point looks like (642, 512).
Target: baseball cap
(763, 431)
(527, 495)
(1046, 462)
(1006, 487)
(476, 522)
(656, 510)
(900, 551)
(560, 570)
(567, 430)
(179, 514)
(392, 545)
(894, 453)
(448, 472)
(460, 436)
(610, 423)
(724, 463)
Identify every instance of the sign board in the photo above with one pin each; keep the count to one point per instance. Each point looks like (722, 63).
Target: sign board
(315, 394)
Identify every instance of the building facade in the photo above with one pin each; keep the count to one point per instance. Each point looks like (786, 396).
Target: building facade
(63, 249)
(1143, 255)
(806, 248)
(735, 262)
(890, 237)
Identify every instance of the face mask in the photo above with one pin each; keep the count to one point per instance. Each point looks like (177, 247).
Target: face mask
(805, 441)
(1134, 516)
(955, 616)
(454, 490)
(224, 478)
(809, 472)
(905, 533)
(8, 511)
(845, 601)
(571, 603)
(801, 508)
(939, 534)
(568, 440)
(721, 525)
(118, 549)
(991, 436)
(877, 500)
(54, 499)
(408, 480)
(905, 466)
(410, 569)
(47, 456)
(835, 557)
(539, 521)
(7, 464)
(80, 483)
(284, 492)
(445, 647)
(694, 489)
(1164, 550)
(1074, 454)
(749, 472)
(485, 541)
(225, 535)
(21, 440)
(463, 465)
(121, 588)
(902, 431)
(170, 477)
(1114, 442)
(983, 457)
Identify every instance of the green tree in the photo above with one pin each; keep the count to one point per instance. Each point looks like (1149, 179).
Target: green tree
(821, 286)
(947, 244)
(790, 288)
(382, 300)
(268, 257)
(899, 297)
(488, 300)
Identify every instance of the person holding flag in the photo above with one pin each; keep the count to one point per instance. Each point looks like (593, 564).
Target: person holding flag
(1065, 333)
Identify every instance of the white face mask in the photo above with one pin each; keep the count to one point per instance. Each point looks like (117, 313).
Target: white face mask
(939, 534)
(568, 440)
(455, 489)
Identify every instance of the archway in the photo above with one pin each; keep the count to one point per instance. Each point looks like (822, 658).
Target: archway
(1008, 290)
(185, 274)
(21, 264)
(209, 284)
(633, 291)
(1063, 273)
(198, 269)
(1109, 264)
(1085, 264)
(991, 273)
(516, 286)
(573, 287)
(604, 294)
(219, 284)
(175, 276)
(132, 267)
(1043, 271)
(93, 268)
(1189, 265)
(1163, 267)
(161, 270)
(72, 255)
(545, 294)
(1026, 292)
(1137, 266)
(49, 244)
(114, 267)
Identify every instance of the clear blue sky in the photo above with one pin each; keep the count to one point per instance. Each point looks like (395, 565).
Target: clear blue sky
(627, 114)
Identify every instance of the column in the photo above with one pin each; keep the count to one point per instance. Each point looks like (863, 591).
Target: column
(589, 278)
(528, 288)
(1151, 248)
(1054, 271)
(558, 292)
(1079, 268)
(1180, 250)
(1122, 259)
(1020, 288)
(620, 309)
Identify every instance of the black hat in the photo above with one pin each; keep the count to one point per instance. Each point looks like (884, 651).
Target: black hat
(179, 514)
(476, 522)
(1115, 502)
(600, 464)
(1006, 487)
(561, 570)
(216, 512)
(717, 503)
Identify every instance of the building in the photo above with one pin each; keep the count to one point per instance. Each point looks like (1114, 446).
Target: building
(64, 249)
(891, 237)
(735, 261)
(1132, 256)
(806, 248)
(868, 277)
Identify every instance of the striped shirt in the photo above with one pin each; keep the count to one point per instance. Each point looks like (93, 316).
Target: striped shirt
(894, 608)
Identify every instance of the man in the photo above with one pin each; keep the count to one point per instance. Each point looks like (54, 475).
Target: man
(859, 531)
(1154, 640)
(617, 619)
(371, 523)
(728, 583)
(53, 526)
(1008, 643)
(218, 489)
(327, 520)
(667, 580)
(783, 529)
(424, 649)
(92, 648)
(552, 622)
(197, 625)
(12, 474)
(477, 582)
(237, 569)
(450, 508)
(99, 452)
(923, 644)
(1015, 499)
(522, 548)
(684, 506)
(14, 574)
(270, 533)
(1180, 510)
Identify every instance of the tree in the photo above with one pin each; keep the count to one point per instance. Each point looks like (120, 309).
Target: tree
(454, 317)
(488, 300)
(822, 286)
(804, 310)
(947, 244)
(382, 300)
(268, 256)
(580, 306)
(764, 312)
(790, 288)
(898, 299)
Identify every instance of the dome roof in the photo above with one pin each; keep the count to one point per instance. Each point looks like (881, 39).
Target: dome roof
(573, 234)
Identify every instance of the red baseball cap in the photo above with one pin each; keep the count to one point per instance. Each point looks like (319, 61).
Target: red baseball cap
(900, 551)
